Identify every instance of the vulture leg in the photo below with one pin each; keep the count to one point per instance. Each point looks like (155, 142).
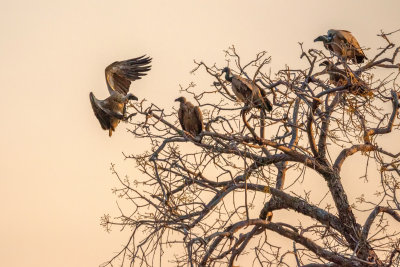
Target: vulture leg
(189, 135)
(199, 139)
(269, 216)
(192, 137)
(129, 96)
(126, 118)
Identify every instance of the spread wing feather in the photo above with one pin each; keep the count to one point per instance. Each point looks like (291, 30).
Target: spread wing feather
(120, 73)
(102, 116)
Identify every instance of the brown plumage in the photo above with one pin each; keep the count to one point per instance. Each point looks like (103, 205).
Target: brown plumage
(339, 77)
(190, 117)
(119, 75)
(343, 44)
(248, 92)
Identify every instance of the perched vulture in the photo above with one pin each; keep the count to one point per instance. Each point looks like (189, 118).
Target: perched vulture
(339, 77)
(343, 44)
(118, 77)
(190, 117)
(247, 91)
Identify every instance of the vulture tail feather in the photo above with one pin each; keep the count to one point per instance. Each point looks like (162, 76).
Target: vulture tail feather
(268, 104)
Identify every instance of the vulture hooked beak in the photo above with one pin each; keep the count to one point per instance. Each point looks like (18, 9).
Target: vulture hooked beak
(324, 39)
(324, 63)
(132, 97)
(180, 99)
(319, 39)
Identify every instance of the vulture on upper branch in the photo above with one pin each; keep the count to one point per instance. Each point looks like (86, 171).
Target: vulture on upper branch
(343, 44)
(339, 77)
(190, 117)
(118, 77)
(247, 91)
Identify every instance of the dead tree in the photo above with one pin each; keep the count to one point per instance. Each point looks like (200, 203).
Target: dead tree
(215, 202)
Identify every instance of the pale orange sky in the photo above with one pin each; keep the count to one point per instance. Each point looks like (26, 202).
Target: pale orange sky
(55, 180)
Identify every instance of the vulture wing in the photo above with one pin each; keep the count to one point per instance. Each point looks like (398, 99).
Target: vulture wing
(199, 117)
(346, 35)
(354, 50)
(120, 73)
(242, 88)
(255, 94)
(356, 54)
(180, 117)
(102, 111)
(102, 116)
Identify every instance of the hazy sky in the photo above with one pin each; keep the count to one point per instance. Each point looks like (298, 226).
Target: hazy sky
(55, 182)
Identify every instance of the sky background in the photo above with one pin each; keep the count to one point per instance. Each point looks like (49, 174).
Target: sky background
(55, 181)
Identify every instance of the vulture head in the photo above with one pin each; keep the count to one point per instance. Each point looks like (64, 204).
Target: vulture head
(326, 63)
(227, 72)
(131, 97)
(181, 99)
(323, 38)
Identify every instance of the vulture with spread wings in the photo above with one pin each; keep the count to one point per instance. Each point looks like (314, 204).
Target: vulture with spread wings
(248, 92)
(118, 77)
(343, 44)
(190, 117)
(340, 77)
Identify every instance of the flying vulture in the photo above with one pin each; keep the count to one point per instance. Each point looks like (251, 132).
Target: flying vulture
(343, 44)
(118, 77)
(190, 117)
(247, 91)
(339, 77)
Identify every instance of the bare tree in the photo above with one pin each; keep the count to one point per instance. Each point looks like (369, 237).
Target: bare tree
(207, 203)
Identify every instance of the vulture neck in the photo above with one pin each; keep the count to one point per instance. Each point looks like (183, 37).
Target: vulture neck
(228, 75)
(328, 38)
(183, 104)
